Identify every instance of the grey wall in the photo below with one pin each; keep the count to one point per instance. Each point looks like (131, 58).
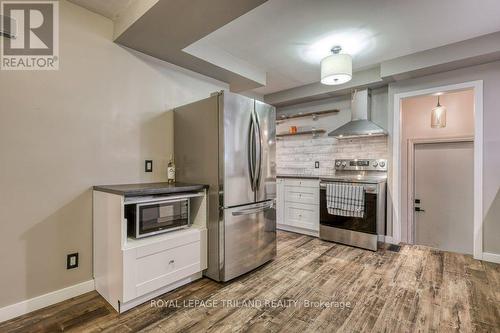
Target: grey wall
(92, 122)
(342, 103)
(296, 155)
(490, 74)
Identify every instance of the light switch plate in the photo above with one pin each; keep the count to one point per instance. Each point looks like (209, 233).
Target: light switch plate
(316, 165)
(72, 261)
(148, 166)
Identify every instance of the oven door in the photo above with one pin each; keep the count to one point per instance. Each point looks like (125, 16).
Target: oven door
(366, 224)
(162, 216)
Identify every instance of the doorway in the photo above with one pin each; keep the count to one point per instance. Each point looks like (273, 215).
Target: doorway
(402, 167)
(443, 211)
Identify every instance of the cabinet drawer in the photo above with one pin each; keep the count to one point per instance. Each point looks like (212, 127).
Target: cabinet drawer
(152, 267)
(160, 269)
(302, 215)
(302, 182)
(306, 195)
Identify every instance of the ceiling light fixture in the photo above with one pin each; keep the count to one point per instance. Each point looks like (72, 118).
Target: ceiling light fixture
(336, 68)
(438, 116)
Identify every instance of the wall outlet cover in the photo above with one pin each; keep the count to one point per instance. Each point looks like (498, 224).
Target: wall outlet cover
(316, 165)
(72, 260)
(148, 166)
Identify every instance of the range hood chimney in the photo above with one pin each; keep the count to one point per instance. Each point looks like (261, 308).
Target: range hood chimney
(360, 124)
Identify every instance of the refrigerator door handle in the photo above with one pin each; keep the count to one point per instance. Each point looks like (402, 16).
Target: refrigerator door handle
(254, 210)
(258, 150)
(251, 156)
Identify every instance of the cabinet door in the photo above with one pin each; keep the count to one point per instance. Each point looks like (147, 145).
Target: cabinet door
(304, 216)
(280, 200)
(299, 194)
(302, 182)
(154, 266)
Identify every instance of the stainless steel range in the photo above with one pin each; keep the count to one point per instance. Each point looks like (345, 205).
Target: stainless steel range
(364, 218)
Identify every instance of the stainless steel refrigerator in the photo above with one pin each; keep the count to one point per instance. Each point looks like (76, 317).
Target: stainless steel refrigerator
(228, 142)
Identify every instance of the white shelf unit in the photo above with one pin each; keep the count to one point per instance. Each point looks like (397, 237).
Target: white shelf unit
(298, 205)
(128, 271)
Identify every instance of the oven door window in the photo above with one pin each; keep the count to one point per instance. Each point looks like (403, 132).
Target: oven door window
(162, 216)
(367, 224)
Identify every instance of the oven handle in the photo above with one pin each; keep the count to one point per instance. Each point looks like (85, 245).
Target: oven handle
(370, 188)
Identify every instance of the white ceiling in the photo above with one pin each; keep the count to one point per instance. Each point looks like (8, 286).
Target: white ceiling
(288, 38)
(107, 8)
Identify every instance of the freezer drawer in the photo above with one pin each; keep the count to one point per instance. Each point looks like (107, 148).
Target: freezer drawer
(249, 238)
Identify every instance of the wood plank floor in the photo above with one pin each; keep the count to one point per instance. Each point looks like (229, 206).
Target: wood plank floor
(335, 287)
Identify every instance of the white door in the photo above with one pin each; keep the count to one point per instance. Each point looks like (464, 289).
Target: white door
(444, 197)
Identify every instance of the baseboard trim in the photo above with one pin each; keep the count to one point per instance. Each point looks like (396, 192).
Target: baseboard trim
(35, 303)
(298, 230)
(491, 257)
(390, 240)
(148, 297)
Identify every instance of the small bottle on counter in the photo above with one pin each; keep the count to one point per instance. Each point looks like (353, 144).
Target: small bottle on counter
(171, 170)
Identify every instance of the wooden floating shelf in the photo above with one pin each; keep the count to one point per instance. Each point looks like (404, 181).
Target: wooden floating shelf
(303, 115)
(314, 132)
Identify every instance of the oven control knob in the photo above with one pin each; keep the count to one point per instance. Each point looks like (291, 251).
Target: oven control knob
(344, 164)
(375, 163)
(337, 163)
(382, 164)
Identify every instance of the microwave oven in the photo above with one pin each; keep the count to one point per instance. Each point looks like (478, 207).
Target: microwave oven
(156, 217)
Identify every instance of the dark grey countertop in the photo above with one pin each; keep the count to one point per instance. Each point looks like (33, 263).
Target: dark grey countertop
(299, 176)
(364, 179)
(130, 190)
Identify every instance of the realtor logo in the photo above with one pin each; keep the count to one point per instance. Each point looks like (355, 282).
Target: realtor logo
(35, 45)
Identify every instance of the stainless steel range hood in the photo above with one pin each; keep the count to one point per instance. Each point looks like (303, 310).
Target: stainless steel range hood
(360, 124)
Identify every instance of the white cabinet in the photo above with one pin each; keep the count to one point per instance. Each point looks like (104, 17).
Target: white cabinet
(298, 205)
(280, 200)
(150, 267)
(129, 271)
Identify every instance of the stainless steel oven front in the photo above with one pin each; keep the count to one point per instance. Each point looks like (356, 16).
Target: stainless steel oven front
(356, 231)
(155, 217)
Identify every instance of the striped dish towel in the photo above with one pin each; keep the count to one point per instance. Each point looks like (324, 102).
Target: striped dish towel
(345, 199)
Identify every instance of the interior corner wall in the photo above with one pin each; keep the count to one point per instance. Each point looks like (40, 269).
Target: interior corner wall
(490, 75)
(416, 124)
(93, 121)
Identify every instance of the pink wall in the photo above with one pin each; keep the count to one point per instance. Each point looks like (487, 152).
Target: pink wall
(489, 76)
(416, 124)
(416, 116)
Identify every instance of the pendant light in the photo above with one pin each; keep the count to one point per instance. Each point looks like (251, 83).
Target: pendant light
(336, 68)
(438, 116)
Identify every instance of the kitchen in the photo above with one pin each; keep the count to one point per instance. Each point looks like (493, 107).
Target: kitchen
(314, 159)
(369, 204)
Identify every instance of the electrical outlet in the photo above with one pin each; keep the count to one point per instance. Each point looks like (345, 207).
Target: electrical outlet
(72, 261)
(148, 166)
(316, 165)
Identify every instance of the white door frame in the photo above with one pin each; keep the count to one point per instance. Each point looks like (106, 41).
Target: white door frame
(477, 86)
(411, 176)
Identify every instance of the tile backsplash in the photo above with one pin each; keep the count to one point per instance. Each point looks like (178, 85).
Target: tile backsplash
(296, 155)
